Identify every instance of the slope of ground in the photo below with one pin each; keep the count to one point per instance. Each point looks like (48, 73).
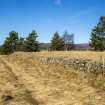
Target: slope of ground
(32, 83)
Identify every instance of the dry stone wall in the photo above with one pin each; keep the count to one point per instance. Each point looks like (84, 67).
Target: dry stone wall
(78, 64)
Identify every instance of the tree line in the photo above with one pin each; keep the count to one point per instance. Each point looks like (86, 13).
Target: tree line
(15, 43)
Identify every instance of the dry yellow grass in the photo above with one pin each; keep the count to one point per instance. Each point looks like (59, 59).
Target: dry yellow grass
(72, 54)
(32, 83)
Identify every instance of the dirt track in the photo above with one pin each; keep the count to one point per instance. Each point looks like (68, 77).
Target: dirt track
(12, 85)
(31, 83)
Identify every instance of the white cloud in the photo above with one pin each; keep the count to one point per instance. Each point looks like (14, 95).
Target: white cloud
(57, 2)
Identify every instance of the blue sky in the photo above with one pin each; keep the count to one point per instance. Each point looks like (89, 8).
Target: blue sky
(48, 16)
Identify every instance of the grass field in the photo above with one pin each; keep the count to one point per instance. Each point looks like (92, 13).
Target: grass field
(73, 54)
(29, 82)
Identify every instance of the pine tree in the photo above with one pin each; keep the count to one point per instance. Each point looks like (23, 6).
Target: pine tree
(20, 45)
(57, 43)
(97, 40)
(31, 44)
(9, 45)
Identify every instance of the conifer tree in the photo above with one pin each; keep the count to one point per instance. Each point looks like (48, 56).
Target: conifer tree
(20, 45)
(9, 45)
(97, 40)
(31, 43)
(57, 43)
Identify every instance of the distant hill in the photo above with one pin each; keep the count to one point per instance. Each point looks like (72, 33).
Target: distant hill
(82, 46)
(44, 46)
